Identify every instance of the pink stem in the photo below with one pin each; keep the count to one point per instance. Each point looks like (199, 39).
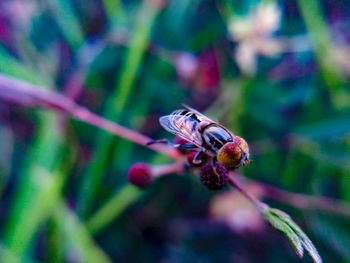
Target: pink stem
(234, 182)
(173, 168)
(87, 116)
(301, 201)
(23, 93)
(308, 202)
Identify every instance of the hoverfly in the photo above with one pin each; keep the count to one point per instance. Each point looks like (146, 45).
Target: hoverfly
(202, 133)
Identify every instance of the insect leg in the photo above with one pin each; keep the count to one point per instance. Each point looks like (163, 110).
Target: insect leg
(166, 141)
(197, 158)
(213, 163)
(163, 141)
(185, 146)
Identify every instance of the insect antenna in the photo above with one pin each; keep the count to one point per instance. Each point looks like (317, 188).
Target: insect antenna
(166, 141)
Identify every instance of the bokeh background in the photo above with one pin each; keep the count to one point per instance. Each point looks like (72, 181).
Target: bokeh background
(273, 72)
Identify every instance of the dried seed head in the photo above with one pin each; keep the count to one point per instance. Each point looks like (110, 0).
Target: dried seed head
(234, 154)
(212, 180)
(140, 175)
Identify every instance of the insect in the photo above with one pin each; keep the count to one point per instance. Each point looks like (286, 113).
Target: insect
(206, 135)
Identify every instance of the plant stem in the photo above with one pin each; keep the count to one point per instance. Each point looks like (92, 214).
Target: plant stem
(23, 93)
(234, 182)
(307, 202)
(301, 201)
(87, 116)
(173, 168)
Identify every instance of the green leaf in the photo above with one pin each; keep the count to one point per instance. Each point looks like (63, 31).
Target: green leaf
(284, 223)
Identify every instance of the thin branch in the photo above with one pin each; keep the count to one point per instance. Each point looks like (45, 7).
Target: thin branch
(306, 202)
(173, 168)
(301, 201)
(23, 93)
(234, 182)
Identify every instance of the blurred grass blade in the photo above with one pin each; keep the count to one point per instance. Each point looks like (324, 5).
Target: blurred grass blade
(77, 239)
(115, 11)
(12, 67)
(334, 232)
(117, 102)
(55, 240)
(68, 22)
(321, 40)
(332, 128)
(111, 209)
(7, 257)
(41, 198)
(284, 223)
(38, 190)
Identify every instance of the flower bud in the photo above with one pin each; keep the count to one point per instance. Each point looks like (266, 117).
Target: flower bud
(212, 180)
(140, 175)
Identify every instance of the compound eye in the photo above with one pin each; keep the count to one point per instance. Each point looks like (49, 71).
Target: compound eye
(230, 155)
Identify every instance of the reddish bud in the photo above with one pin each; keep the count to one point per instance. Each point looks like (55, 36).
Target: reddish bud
(212, 180)
(140, 175)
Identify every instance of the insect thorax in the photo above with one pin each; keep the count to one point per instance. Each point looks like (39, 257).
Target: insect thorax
(215, 136)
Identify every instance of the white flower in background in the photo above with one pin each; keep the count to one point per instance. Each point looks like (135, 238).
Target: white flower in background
(237, 211)
(254, 35)
(186, 65)
(341, 55)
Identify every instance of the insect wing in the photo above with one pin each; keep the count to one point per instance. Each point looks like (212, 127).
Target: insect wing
(182, 127)
(202, 117)
(199, 115)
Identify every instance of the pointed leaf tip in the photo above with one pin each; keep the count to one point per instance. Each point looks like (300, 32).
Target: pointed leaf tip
(300, 241)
